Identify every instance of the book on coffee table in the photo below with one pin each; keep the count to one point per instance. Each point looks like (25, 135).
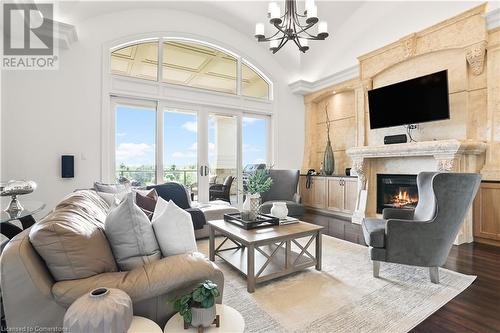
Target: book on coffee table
(288, 220)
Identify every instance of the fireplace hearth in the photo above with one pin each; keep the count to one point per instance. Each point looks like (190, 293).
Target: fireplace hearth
(396, 191)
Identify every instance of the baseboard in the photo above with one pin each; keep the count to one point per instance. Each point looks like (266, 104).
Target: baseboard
(487, 241)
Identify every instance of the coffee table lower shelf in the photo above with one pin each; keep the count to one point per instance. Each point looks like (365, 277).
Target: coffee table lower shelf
(266, 254)
(277, 266)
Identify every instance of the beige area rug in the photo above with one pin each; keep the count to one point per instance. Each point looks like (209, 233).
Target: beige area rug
(343, 297)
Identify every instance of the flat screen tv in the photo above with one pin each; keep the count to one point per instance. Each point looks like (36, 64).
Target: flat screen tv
(413, 101)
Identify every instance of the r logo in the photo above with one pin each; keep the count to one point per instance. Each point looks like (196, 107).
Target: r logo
(28, 29)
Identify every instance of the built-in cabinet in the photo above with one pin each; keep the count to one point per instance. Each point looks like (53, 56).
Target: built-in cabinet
(331, 194)
(487, 213)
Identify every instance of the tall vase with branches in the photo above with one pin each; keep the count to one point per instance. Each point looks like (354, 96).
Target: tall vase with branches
(328, 159)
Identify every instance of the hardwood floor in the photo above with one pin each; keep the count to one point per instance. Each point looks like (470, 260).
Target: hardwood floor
(477, 309)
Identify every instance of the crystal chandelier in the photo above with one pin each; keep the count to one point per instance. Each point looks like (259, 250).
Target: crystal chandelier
(292, 25)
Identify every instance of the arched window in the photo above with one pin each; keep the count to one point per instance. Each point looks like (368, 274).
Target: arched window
(192, 64)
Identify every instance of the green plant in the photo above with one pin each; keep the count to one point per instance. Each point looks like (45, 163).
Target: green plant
(202, 297)
(259, 182)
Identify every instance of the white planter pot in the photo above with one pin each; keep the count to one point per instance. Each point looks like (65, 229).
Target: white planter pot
(203, 317)
(280, 210)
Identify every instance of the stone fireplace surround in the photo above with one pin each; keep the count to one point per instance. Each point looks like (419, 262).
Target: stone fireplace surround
(412, 158)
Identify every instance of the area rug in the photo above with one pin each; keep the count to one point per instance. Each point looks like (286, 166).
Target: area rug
(343, 297)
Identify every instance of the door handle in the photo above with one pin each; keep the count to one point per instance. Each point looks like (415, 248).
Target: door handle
(201, 170)
(206, 170)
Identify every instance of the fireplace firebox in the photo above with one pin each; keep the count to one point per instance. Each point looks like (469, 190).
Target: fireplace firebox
(396, 191)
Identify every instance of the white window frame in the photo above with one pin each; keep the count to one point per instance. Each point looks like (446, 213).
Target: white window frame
(118, 87)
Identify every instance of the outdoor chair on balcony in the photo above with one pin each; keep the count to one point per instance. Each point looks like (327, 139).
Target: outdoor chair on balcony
(222, 191)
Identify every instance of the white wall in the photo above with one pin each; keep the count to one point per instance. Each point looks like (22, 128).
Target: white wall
(49, 113)
(373, 25)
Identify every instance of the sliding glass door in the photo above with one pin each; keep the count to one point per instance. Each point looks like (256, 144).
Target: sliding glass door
(204, 149)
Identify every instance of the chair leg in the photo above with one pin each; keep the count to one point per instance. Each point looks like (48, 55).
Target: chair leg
(434, 273)
(376, 268)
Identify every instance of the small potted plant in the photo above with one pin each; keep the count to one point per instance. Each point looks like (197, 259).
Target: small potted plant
(257, 183)
(198, 307)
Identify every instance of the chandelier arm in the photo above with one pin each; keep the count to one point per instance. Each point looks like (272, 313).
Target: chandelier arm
(282, 43)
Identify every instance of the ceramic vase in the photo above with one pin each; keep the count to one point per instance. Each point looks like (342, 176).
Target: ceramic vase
(279, 210)
(251, 206)
(203, 317)
(105, 310)
(328, 159)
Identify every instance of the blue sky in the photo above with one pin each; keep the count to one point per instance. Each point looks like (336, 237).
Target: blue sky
(135, 138)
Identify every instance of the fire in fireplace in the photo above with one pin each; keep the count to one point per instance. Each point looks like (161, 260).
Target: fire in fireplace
(396, 191)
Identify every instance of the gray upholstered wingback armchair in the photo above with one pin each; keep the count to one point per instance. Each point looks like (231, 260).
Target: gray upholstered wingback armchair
(423, 236)
(284, 188)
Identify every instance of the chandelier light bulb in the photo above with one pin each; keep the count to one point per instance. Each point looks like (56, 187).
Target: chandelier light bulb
(309, 4)
(259, 30)
(322, 27)
(275, 12)
(271, 6)
(312, 15)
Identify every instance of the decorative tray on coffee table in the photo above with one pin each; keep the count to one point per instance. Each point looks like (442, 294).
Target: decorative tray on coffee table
(262, 220)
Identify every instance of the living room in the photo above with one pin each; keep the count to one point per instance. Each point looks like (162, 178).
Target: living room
(305, 166)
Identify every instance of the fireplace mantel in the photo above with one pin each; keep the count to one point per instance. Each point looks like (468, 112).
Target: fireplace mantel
(439, 149)
(439, 155)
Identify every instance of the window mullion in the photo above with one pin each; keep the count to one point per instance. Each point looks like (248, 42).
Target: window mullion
(159, 144)
(160, 60)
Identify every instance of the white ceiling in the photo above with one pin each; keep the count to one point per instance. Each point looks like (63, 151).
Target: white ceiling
(354, 26)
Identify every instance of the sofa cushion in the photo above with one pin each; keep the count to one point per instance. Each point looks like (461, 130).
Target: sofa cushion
(71, 240)
(173, 228)
(374, 232)
(215, 210)
(131, 235)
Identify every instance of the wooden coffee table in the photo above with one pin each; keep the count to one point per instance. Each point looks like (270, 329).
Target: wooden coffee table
(264, 254)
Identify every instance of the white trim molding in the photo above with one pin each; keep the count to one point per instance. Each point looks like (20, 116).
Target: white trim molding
(303, 87)
(65, 34)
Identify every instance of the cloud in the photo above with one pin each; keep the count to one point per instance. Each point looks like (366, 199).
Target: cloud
(121, 134)
(128, 151)
(191, 126)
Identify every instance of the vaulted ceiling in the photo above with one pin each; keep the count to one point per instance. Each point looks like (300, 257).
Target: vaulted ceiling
(355, 26)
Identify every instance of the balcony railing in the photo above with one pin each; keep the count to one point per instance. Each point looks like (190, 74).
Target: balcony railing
(147, 176)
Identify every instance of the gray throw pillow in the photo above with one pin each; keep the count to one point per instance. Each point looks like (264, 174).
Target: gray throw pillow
(111, 188)
(131, 235)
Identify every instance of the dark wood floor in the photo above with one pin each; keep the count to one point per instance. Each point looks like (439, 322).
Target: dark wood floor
(477, 309)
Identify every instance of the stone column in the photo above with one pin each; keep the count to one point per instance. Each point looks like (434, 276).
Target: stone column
(359, 167)
(491, 169)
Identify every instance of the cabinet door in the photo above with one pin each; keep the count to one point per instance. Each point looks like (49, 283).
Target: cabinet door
(487, 212)
(335, 194)
(318, 192)
(350, 194)
(305, 193)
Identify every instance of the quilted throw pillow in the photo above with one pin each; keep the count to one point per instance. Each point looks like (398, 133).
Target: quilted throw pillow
(131, 235)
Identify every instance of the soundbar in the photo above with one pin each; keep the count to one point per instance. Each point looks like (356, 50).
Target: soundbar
(392, 139)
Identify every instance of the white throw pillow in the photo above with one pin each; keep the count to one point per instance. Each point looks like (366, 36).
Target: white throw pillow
(173, 229)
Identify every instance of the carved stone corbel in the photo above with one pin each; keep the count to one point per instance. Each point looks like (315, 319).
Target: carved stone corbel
(410, 46)
(475, 55)
(446, 164)
(358, 165)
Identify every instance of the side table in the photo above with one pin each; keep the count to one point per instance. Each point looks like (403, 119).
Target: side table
(231, 321)
(143, 325)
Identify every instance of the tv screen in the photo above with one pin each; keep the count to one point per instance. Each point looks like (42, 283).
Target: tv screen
(414, 101)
